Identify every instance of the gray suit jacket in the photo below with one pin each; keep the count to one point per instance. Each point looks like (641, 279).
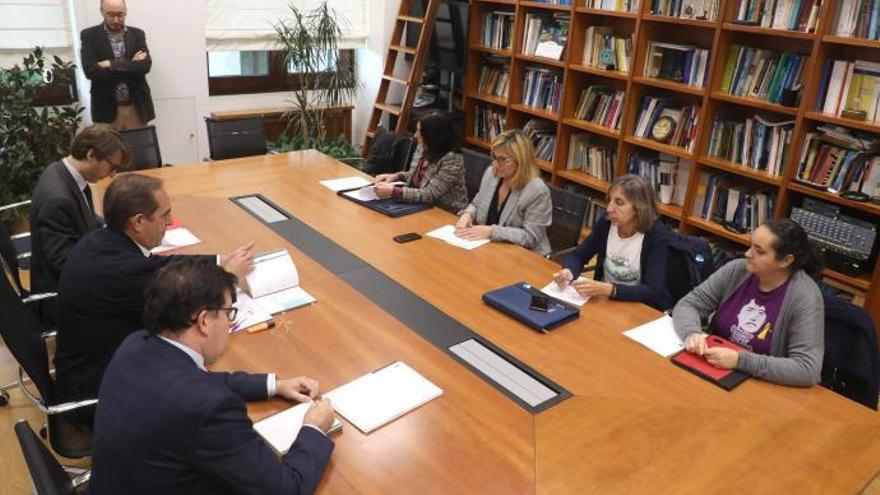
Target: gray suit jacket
(442, 184)
(525, 217)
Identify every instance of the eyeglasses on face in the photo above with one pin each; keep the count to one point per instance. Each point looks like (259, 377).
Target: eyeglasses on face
(231, 312)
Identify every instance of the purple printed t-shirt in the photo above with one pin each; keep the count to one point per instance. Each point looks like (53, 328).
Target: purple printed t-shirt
(747, 317)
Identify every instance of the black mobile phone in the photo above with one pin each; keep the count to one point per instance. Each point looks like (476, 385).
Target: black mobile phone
(540, 303)
(411, 236)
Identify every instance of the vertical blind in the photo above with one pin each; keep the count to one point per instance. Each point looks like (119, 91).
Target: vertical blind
(234, 25)
(25, 24)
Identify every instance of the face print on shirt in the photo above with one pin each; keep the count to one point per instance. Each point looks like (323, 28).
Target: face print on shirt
(751, 319)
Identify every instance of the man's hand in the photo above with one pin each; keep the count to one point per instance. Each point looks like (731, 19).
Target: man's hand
(320, 415)
(301, 388)
(104, 64)
(139, 56)
(239, 262)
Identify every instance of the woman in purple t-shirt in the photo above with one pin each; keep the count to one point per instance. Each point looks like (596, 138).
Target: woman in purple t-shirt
(767, 303)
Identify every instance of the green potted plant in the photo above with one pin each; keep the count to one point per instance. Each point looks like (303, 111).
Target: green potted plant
(31, 137)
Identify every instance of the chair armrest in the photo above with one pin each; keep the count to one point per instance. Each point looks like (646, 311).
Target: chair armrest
(13, 206)
(39, 297)
(56, 409)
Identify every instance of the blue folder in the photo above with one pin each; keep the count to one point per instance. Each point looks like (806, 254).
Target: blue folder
(515, 301)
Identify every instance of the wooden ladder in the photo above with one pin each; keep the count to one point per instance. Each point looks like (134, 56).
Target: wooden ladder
(398, 48)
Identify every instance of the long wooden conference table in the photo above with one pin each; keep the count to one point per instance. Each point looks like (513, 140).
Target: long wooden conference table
(630, 421)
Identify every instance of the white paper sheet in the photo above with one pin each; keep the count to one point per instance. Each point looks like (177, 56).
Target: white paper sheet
(658, 335)
(250, 312)
(447, 234)
(175, 239)
(273, 272)
(337, 185)
(569, 294)
(280, 430)
(379, 397)
(363, 194)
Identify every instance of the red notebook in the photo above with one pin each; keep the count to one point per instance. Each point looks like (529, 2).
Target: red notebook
(724, 378)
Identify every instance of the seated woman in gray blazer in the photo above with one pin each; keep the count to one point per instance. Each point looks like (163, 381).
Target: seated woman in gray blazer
(513, 203)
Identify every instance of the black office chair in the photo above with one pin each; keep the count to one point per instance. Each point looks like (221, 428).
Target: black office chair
(851, 364)
(235, 138)
(389, 152)
(21, 243)
(569, 214)
(475, 165)
(144, 143)
(47, 474)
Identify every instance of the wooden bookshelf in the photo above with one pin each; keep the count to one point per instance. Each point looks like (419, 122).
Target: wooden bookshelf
(715, 35)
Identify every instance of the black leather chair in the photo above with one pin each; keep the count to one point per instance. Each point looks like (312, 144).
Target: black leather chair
(47, 475)
(21, 243)
(389, 152)
(475, 164)
(851, 364)
(235, 138)
(569, 213)
(144, 143)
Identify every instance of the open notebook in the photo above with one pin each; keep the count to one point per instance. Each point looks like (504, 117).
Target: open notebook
(281, 429)
(274, 284)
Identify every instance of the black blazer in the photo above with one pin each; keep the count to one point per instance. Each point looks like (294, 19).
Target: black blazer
(165, 426)
(59, 218)
(100, 302)
(652, 288)
(95, 48)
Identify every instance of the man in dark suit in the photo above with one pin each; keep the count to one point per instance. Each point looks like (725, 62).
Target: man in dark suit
(62, 210)
(116, 59)
(167, 425)
(101, 291)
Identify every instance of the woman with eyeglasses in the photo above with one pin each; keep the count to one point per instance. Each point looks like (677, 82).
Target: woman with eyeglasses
(436, 173)
(513, 203)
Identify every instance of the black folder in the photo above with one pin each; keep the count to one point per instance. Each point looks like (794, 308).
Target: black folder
(387, 206)
(515, 301)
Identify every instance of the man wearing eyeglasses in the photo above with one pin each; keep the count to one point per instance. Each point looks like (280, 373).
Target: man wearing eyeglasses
(166, 424)
(116, 59)
(101, 290)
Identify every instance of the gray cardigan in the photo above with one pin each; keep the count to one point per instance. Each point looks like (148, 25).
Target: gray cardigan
(525, 217)
(442, 184)
(799, 332)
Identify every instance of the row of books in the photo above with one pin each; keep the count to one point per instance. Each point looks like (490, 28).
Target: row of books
(496, 30)
(554, 2)
(668, 174)
(739, 207)
(680, 63)
(797, 15)
(616, 5)
(591, 158)
(488, 122)
(764, 74)
(546, 35)
(685, 120)
(604, 50)
(543, 135)
(601, 105)
(838, 161)
(851, 88)
(858, 18)
(494, 78)
(755, 142)
(542, 88)
(687, 9)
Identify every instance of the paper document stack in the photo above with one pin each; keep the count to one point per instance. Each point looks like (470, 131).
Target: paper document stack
(446, 234)
(274, 284)
(176, 237)
(281, 429)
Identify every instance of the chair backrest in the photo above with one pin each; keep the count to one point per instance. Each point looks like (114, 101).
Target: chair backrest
(9, 258)
(569, 213)
(47, 474)
(851, 365)
(475, 164)
(234, 138)
(402, 152)
(144, 145)
(688, 263)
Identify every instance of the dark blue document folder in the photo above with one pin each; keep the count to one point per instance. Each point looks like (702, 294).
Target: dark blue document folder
(388, 206)
(515, 301)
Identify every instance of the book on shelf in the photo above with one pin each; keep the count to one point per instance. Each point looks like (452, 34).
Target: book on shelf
(488, 122)
(680, 63)
(543, 136)
(838, 161)
(546, 35)
(757, 142)
(494, 77)
(683, 119)
(738, 206)
(615, 5)
(850, 88)
(687, 9)
(667, 174)
(554, 2)
(496, 30)
(600, 105)
(793, 15)
(764, 74)
(857, 19)
(542, 88)
(590, 157)
(597, 210)
(604, 50)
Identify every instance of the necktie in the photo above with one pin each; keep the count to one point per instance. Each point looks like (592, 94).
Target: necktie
(87, 192)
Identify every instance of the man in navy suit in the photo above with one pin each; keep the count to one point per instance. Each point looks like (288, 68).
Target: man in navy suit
(165, 424)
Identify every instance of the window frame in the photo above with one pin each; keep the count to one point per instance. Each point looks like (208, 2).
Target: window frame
(276, 80)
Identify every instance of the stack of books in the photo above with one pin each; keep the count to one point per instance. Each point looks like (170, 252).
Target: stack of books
(838, 161)
(687, 9)
(850, 88)
(739, 207)
(590, 158)
(616, 5)
(542, 88)
(543, 135)
(685, 120)
(668, 174)
(545, 35)
(764, 74)
(494, 77)
(858, 18)
(680, 63)
(604, 50)
(488, 122)
(796, 15)
(496, 30)
(755, 142)
(600, 105)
